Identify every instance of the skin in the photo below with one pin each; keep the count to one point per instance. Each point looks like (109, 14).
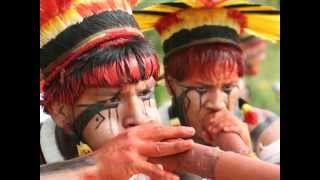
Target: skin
(201, 160)
(134, 105)
(125, 139)
(209, 105)
(137, 149)
(126, 155)
(209, 162)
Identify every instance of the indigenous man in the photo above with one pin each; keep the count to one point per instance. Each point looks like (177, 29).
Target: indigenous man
(203, 65)
(99, 74)
(98, 90)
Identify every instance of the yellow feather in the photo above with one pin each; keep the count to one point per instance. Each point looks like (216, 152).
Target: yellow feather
(57, 24)
(60, 22)
(192, 3)
(145, 21)
(257, 8)
(234, 2)
(191, 18)
(264, 26)
(162, 8)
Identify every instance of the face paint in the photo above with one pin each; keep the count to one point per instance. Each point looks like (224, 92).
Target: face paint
(110, 122)
(99, 119)
(199, 90)
(93, 109)
(179, 107)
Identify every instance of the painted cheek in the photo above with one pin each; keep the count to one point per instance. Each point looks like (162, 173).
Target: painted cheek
(232, 99)
(151, 110)
(196, 101)
(106, 130)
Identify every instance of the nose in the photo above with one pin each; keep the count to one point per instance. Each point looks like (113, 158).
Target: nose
(215, 101)
(135, 113)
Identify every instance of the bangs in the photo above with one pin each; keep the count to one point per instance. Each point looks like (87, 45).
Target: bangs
(205, 61)
(110, 65)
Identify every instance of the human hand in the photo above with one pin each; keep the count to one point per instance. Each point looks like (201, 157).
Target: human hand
(224, 122)
(127, 154)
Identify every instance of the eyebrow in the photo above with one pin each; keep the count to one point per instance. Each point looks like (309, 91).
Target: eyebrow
(100, 101)
(195, 84)
(107, 92)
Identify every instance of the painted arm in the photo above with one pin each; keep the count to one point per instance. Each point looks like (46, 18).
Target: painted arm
(125, 155)
(80, 168)
(209, 162)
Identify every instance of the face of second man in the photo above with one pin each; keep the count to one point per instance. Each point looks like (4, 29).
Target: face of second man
(128, 106)
(205, 97)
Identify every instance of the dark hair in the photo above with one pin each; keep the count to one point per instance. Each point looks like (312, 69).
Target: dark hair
(201, 60)
(112, 64)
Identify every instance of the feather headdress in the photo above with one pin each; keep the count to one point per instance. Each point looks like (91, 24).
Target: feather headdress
(186, 22)
(68, 28)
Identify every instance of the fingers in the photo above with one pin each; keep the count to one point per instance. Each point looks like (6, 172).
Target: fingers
(157, 132)
(169, 163)
(206, 137)
(155, 172)
(159, 149)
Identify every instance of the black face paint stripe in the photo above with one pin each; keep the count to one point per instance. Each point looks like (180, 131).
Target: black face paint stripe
(84, 118)
(99, 120)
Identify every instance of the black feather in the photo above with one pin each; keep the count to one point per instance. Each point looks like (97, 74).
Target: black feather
(74, 34)
(147, 12)
(242, 5)
(271, 12)
(177, 5)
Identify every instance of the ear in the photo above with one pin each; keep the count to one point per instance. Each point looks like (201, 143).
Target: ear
(62, 115)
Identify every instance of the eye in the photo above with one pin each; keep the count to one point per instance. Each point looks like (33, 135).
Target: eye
(113, 102)
(227, 89)
(110, 103)
(201, 89)
(146, 94)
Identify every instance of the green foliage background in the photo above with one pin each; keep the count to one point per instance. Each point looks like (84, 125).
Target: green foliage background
(260, 86)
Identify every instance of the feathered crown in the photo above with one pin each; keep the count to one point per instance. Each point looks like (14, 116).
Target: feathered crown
(68, 28)
(187, 22)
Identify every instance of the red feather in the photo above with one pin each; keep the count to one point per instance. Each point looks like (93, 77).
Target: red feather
(52, 8)
(211, 3)
(167, 21)
(133, 2)
(239, 17)
(251, 117)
